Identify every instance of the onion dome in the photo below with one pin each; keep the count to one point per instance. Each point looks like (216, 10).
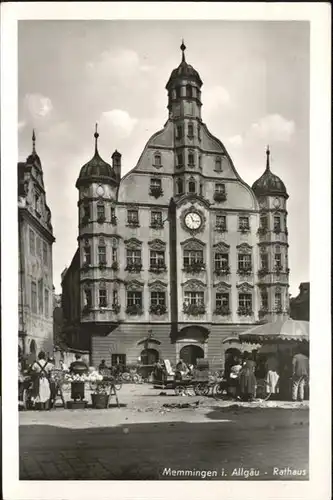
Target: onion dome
(34, 159)
(96, 170)
(184, 70)
(269, 184)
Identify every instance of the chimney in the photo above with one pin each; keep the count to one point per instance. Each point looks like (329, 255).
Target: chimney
(116, 164)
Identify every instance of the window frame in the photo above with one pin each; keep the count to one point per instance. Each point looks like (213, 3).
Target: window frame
(134, 298)
(194, 297)
(191, 257)
(34, 300)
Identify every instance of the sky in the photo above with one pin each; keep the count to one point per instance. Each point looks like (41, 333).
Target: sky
(255, 92)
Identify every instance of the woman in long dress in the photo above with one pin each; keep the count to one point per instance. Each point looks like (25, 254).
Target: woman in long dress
(41, 369)
(247, 379)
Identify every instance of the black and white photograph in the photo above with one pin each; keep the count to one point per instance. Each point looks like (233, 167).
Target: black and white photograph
(163, 176)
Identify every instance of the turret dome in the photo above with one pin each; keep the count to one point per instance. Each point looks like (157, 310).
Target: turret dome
(96, 170)
(269, 184)
(184, 70)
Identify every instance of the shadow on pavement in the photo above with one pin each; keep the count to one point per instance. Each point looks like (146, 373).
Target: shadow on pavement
(149, 451)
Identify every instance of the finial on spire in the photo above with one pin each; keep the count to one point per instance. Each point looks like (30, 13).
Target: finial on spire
(267, 158)
(96, 135)
(183, 48)
(33, 141)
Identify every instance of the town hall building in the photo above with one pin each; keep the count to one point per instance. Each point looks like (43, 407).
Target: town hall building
(179, 255)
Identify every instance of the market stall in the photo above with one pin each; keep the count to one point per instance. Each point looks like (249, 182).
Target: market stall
(280, 338)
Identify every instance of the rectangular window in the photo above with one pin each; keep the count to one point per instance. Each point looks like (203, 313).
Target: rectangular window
(199, 132)
(155, 218)
(278, 259)
(32, 242)
(222, 300)
(86, 211)
(221, 261)
(277, 223)
(134, 299)
(218, 165)
(114, 254)
(87, 255)
(245, 301)
(115, 297)
(192, 256)
(113, 212)
(179, 159)
(220, 188)
(221, 221)
(118, 359)
(38, 247)
(264, 260)
(278, 300)
(157, 298)
(200, 161)
(100, 211)
(40, 296)
(244, 261)
(102, 298)
(133, 256)
(264, 300)
(34, 297)
(45, 260)
(156, 183)
(190, 130)
(179, 132)
(191, 159)
(88, 297)
(157, 160)
(132, 216)
(46, 303)
(263, 222)
(197, 298)
(243, 223)
(102, 254)
(157, 258)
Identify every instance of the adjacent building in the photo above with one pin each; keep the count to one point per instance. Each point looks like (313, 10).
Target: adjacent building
(300, 305)
(179, 254)
(35, 284)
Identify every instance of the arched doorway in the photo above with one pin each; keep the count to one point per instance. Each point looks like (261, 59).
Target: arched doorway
(149, 356)
(191, 353)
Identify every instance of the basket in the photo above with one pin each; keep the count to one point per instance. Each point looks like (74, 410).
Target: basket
(100, 401)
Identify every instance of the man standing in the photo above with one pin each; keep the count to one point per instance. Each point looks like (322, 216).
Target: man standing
(300, 366)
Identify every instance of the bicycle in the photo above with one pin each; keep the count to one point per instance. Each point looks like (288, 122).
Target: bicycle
(261, 391)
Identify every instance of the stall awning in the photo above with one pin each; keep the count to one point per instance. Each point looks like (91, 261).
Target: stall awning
(279, 331)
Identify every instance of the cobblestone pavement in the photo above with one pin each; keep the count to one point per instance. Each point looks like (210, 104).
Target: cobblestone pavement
(144, 440)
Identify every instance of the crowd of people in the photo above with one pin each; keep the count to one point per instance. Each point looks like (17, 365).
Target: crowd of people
(285, 375)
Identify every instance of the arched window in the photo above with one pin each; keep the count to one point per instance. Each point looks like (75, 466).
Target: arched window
(180, 186)
(200, 189)
(190, 130)
(157, 160)
(87, 297)
(86, 253)
(33, 347)
(189, 92)
(192, 186)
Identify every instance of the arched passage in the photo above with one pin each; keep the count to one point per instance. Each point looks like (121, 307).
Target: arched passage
(191, 353)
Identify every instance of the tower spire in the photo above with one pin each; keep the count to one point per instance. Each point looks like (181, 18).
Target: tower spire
(267, 158)
(183, 48)
(33, 141)
(96, 135)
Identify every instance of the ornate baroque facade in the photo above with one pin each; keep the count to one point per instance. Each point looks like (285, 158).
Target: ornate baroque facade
(180, 253)
(35, 306)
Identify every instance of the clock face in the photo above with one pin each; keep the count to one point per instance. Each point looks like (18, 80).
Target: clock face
(193, 220)
(276, 203)
(100, 190)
